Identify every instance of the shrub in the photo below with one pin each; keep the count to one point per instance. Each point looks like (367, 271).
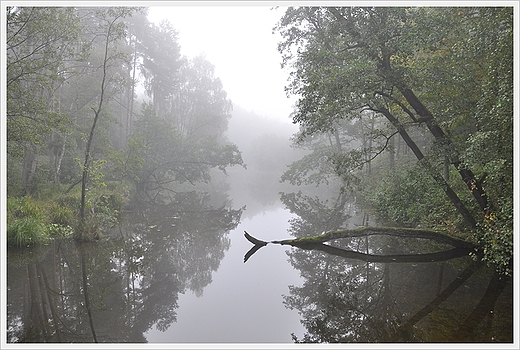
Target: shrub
(87, 229)
(25, 231)
(26, 222)
(69, 200)
(60, 231)
(61, 215)
(409, 197)
(24, 207)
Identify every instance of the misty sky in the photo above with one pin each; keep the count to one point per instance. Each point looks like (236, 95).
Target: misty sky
(239, 42)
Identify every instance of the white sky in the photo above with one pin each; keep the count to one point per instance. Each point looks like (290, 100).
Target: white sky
(239, 42)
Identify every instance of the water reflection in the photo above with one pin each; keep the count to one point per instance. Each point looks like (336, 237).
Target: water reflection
(127, 286)
(346, 298)
(117, 289)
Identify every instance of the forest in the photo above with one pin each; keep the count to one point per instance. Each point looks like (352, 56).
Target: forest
(408, 109)
(80, 143)
(130, 172)
(412, 108)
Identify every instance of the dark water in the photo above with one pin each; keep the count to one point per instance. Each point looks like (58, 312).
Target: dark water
(176, 275)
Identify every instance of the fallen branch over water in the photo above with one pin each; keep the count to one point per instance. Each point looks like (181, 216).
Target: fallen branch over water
(461, 247)
(387, 231)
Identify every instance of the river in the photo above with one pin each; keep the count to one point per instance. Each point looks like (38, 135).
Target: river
(243, 303)
(177, 275)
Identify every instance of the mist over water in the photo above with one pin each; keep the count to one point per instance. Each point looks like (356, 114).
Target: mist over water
(266, 149)
(243, 303)
(356, 245)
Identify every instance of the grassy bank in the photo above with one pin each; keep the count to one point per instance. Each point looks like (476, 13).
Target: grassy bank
(52, 213)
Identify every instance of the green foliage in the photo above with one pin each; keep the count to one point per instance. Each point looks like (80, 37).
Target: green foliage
(107, 207)
(53, 214)
(24, 207)
(62, 215)
(26, 222)
(60, 231)
(39, 42)
(128, 162)
(203, 108)
(315, 168)
(495, 235)
(166, 157)
(71, 75)
(452, 65)
(26, 231)
(407, 197)
(86, 229)
(68, 200)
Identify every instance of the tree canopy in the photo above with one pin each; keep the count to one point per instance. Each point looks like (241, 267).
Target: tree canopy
(439, 78)
(101, 96)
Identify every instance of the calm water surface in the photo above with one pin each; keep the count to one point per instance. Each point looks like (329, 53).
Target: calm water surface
(176, 275)
(243, 303)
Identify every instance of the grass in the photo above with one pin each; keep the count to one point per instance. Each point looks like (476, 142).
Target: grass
(55, 214)
(26, 231)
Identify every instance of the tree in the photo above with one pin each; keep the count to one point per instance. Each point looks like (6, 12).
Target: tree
(119, 290)
(385, 284)
(40, 44)
(171, 158)
(201, 107)
(392, 61)
(111, 30)
(160, 52)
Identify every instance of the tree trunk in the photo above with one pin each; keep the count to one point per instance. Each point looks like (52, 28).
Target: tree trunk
(446, 169)
(369, 167)
(402, 332)
(391, 153)
(85, 294)
(58, 158)
(132, 93)
(400, 258)
(454, 198)
(460, 247)
(466, 331)
(383, 57)
(467, 175)
(338, 141)
(388, 231)
(97, 112)
(29, 168)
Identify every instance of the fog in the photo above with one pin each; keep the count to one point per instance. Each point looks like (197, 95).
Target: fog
(267, 151)
(239, 41)
(143, 144)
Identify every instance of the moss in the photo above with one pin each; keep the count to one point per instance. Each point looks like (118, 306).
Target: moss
(371, 231)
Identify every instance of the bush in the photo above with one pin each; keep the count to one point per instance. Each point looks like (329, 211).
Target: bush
(409, 197)
(69, 200)
(87, 229)
(26, 222)
(60, 231)
(26, 231)
(495, 236)
(61, 215)
(54, 215)
(24, 207)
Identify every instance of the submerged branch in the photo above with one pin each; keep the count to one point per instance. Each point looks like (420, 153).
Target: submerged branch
(257, 245)
(254, 240)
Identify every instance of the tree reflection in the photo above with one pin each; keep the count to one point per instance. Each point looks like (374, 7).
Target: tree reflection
(352, 295)
(117, 289)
